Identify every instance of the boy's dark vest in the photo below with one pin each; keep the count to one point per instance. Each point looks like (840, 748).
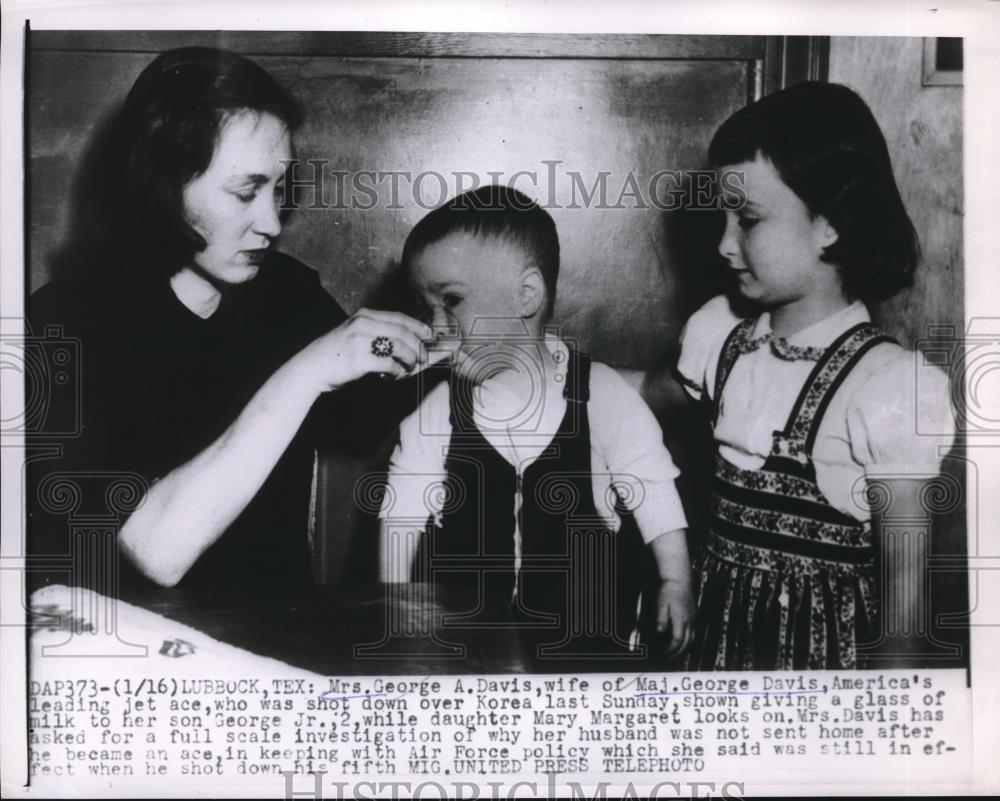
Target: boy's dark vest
(578, 583)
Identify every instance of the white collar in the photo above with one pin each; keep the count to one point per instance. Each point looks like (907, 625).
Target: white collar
(820, 334)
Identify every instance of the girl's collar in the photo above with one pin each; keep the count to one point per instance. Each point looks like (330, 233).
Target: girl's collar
(822, 333)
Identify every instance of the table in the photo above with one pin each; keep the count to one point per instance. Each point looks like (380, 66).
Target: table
(364, 629)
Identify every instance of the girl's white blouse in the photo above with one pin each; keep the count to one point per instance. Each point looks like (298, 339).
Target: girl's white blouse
(892, 416)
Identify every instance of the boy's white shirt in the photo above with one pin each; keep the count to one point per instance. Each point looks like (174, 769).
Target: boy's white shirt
(628, 459)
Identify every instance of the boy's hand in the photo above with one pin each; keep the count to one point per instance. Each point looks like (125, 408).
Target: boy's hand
(675, 601)
(675, 615)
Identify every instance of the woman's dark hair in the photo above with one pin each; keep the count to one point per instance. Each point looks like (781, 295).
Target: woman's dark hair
(493, 212)
(827, 147)
(168, 128)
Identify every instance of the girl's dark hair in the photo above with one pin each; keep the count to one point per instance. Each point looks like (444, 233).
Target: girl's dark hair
(827, 147)
(493, 212)
(168, 129)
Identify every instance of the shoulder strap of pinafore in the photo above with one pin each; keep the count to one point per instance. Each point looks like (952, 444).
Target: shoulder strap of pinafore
(825, 379)
(727, 358)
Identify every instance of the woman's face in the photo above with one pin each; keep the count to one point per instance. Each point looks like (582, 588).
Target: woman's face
(234, 204)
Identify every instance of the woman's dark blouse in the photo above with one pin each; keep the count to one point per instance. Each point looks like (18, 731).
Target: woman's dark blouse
(158, 384)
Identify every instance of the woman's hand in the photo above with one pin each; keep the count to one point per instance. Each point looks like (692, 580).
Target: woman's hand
(351, 350)
(178, 519)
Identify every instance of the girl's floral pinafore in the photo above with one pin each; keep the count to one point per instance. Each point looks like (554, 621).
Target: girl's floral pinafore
(786, 580)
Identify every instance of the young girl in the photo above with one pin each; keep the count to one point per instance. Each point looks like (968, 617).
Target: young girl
(809, 399)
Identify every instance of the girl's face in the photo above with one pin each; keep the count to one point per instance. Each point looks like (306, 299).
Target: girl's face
(773, 244)
(233, 205)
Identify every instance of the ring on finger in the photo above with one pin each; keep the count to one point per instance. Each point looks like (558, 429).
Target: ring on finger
(382, 346)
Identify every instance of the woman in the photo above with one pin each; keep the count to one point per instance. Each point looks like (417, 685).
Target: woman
(203, 357)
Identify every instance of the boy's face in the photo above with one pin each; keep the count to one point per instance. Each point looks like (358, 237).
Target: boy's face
(472, 288)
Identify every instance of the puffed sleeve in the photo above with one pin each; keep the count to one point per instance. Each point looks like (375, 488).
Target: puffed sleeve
(900, 419)
(639, 466)
(701, 343)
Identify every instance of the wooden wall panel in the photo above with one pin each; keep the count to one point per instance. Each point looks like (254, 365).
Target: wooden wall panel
(621, 118)
(619, 293)
(923, 128)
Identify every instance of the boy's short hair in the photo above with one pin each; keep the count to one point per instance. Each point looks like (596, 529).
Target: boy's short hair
(493, 212)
